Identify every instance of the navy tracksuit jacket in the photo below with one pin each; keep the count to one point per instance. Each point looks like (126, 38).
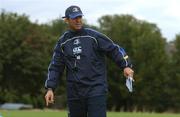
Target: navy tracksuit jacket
(83, 54)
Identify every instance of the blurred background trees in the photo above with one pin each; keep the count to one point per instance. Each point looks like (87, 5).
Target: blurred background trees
(23, 45)
(26, 49)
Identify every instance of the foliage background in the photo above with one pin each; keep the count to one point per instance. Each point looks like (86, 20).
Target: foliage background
(26, 49)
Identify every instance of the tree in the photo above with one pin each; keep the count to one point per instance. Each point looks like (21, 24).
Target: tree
(24, 52)
(174, 79)
(145, 45)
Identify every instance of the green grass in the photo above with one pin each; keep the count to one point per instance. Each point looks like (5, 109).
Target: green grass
(53, 113)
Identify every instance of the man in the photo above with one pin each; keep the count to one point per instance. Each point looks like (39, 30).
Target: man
(82, 52)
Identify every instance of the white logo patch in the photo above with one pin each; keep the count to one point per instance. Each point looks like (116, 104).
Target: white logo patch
(75, 9)
(77, 50)
(76, 42)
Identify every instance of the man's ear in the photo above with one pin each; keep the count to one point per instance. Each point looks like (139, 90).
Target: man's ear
(66, 20)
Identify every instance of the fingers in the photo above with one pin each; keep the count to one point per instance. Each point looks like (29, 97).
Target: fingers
(128, 72)
(49, 98)
(51, 101)
(131, 73)
(47, 101)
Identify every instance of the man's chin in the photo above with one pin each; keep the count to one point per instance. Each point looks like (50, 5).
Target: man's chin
(79, 28)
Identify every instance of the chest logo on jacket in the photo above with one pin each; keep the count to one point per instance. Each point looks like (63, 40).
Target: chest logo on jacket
(76, 42)
(77, 50)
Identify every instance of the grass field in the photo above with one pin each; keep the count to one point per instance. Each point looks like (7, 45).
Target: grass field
(52, 113)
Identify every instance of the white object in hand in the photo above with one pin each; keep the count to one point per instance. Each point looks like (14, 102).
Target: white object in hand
(129, 83)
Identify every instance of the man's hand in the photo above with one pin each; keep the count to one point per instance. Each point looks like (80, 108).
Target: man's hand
(128, 72)
(49, 97)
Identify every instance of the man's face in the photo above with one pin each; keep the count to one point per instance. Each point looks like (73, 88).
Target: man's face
(76, 23)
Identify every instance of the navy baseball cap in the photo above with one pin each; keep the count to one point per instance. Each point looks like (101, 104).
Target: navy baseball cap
(73, 12)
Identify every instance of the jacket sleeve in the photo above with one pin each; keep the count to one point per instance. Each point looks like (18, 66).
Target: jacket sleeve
(114, 51)
(56, 67)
